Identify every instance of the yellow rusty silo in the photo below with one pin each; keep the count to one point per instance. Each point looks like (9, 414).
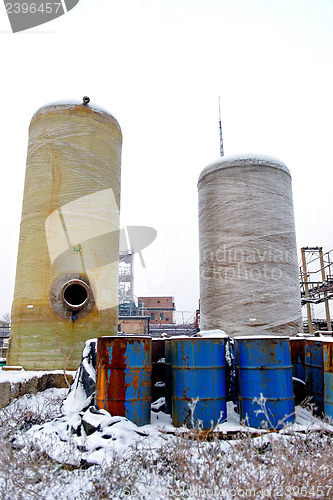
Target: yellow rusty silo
(66, 288)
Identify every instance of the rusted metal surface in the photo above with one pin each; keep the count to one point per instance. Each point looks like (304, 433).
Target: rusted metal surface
(264, 367)
(123, 377)
(319, 374)
(314, 374)
(328, 377)
(198, 371)
(297, 353)
(168, 376)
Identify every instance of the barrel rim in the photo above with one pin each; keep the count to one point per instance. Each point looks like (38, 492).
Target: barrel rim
(261, 337)
(124, 337)
(198, 338)
(241, 161)
(320, 339)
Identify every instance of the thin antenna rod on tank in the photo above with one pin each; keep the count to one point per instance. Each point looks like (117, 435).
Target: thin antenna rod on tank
(221, 138)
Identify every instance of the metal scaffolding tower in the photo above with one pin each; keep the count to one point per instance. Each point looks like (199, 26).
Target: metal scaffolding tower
(125, 290)
(316, 281)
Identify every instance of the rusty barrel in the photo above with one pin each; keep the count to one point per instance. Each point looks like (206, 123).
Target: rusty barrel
(198, 373)
(328, 376)
(314, 373)
(264, 368)
(319, 373)
(123, 377)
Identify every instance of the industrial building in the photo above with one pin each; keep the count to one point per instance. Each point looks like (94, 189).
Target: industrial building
(160, 309)
(133, 325)
(138, 315)
(150, 315)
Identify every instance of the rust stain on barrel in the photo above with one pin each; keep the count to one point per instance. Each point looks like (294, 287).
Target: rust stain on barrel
(329, 364)
(118, 386)
(111, 385)
(297, 351)
(123, 377)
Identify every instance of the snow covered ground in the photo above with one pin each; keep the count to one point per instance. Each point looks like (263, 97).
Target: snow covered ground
(46, 452)
(94, 436)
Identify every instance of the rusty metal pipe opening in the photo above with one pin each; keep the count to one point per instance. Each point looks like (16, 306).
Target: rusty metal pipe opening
(75, 294)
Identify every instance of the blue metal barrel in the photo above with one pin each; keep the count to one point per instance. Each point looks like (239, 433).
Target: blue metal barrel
(168, 377)
(123, 377)
(328, 376)
(198, 371)
(264, 367)
(314, 378)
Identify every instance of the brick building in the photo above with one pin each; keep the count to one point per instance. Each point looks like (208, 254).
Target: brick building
(133, 325)
(159, 309)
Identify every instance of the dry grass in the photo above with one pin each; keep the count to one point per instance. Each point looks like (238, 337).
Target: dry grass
(277, 466)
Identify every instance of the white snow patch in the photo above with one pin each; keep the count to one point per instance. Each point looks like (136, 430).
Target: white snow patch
(67, 439)
(212, 334)
(22, 375)
(113, 434)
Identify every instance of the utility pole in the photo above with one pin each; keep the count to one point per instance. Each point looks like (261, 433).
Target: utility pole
(323, 277)
(306, 288)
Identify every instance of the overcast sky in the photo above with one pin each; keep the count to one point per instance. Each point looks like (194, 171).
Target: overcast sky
(159, 66)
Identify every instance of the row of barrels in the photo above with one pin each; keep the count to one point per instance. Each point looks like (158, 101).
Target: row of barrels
(260, 370)
(195, 374)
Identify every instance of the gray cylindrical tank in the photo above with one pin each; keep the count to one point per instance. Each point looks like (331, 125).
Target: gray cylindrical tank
(248, 259)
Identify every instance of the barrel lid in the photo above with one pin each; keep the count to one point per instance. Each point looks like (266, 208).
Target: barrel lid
(212, 334)
(125, 337)
(196, 339)
(261, 337)
(179, 337)
(320, 339)
(243, 161)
